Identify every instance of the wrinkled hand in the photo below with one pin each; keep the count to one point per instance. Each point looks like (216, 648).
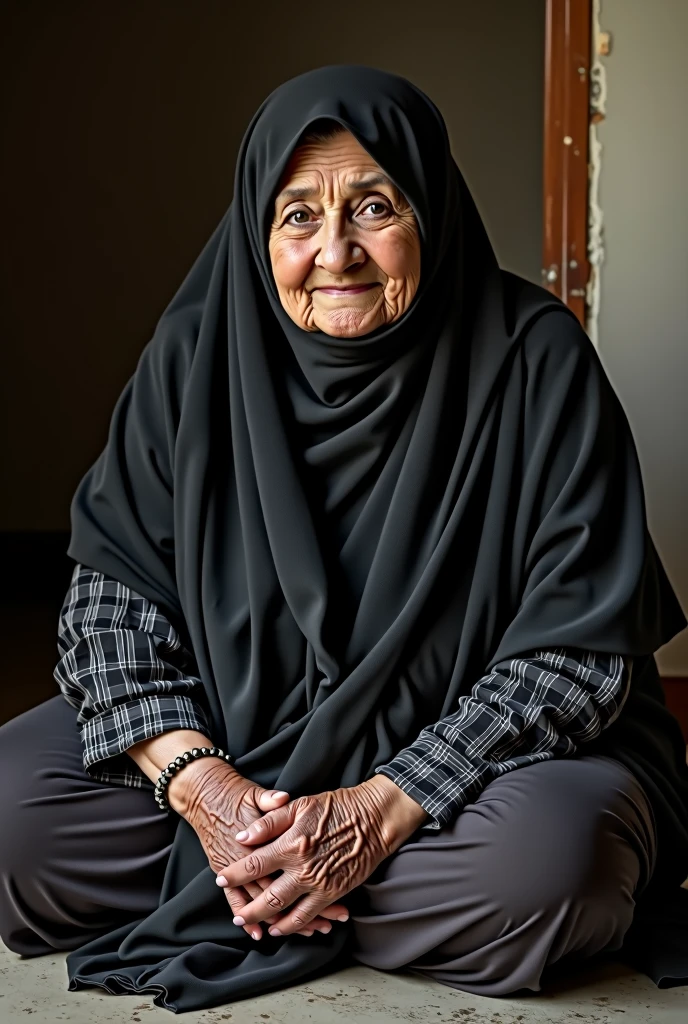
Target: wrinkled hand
(219, 802)
(325, 845)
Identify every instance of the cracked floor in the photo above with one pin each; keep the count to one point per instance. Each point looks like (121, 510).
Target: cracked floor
(34, 990)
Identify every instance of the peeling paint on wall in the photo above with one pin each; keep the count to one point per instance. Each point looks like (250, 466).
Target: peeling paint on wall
(598, 100)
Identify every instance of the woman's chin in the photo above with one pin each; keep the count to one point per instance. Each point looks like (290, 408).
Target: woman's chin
(347, 322)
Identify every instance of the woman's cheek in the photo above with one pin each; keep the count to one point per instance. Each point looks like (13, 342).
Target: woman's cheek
(397, 257)
(291, 265)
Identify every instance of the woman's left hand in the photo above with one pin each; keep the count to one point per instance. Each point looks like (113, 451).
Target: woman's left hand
(324, 845)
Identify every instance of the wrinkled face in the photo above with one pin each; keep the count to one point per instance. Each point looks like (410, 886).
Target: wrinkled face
(344, 242)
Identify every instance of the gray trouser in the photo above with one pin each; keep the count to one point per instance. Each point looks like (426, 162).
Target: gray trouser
(541, 869)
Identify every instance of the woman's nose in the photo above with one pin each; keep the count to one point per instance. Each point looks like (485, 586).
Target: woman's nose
(338, 253)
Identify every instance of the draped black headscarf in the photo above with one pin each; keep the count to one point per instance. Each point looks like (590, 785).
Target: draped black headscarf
(348, 532)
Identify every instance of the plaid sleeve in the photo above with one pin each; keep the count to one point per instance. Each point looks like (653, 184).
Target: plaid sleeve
(524, 711)
(123, 667)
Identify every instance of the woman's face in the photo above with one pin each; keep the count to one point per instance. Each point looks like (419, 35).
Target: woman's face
(344, 243)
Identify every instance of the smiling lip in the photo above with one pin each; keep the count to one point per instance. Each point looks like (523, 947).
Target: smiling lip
(352, 289)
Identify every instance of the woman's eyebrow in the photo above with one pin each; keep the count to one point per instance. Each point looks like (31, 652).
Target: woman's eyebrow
(298, 192)
(356, 185)
(362, 184)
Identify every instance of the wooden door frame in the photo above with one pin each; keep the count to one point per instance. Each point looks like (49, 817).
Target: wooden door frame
(568, 53)
(566, 194)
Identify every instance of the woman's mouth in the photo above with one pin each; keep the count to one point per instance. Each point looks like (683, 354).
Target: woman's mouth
(350, 289)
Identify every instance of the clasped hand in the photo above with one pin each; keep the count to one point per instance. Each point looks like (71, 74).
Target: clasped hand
(324, 846)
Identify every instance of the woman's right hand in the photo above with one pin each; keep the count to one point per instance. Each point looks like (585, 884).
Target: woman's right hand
(218, 802)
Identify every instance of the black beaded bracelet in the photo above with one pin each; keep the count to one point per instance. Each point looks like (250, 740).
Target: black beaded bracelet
(180, 762)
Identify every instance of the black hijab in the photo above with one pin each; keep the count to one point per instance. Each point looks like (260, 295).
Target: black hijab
(348, 533)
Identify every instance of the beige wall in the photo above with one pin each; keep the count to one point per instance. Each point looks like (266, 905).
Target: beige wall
(643, 327)
(122, 123)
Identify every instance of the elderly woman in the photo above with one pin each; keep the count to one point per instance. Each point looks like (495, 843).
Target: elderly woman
(364, 589)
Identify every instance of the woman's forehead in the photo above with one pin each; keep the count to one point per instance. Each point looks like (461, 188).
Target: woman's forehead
(342, 161)
(342, 155)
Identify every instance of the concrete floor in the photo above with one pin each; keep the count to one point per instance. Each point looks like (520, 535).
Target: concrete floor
(34, 990)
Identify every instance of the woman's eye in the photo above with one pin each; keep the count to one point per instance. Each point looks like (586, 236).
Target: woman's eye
(376, 209)
(293, 218)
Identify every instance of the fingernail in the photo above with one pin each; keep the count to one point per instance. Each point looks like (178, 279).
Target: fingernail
(257, 934)
(275, 931)
(241, 835)
(279, 792)
(325, 928)
(343, 917)
(221, 880)
(238, 921)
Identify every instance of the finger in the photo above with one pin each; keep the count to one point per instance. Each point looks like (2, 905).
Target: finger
(299, 916)
(269, 799)
(254, 890)
(270, 826)
(279, 895)
(238, 899)
(332, 912)
(335, 912)
(261, 884)
(257, 863)
(320, 924)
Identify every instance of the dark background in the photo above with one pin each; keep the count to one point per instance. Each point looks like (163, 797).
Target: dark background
(121, 122)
